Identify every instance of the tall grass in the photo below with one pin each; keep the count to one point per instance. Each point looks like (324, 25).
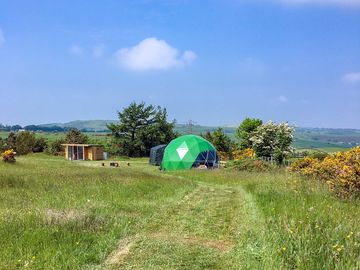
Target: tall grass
(57, 214)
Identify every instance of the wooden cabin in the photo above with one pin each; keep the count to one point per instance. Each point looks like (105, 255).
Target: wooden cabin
(84, 152)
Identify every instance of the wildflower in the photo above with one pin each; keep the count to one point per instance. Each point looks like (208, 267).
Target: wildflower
(77, 243)
(284, 249)
(350, 234)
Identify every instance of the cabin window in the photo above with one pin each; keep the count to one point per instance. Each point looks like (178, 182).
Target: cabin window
(76, 152)
(80, 153)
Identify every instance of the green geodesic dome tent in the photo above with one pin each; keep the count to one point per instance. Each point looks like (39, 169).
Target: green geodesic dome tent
(187, 152)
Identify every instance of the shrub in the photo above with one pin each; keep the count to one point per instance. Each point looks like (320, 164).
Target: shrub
(341, 171)
(25, 142)
(241, 154)
(2, 144)
(223, 155)
(8, 156)
(56, 148)
(40, 145)
(251, 165)
(10, 142)
(272, 140)
(319, 155)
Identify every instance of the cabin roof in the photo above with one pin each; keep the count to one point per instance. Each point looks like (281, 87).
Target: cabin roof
(80, 144)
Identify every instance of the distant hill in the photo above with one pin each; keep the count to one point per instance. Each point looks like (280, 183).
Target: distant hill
(89, 125)
(303, 137)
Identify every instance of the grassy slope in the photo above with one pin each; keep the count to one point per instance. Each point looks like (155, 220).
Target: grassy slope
(61, 215)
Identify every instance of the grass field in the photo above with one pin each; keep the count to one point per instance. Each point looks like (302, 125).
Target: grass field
(57, 214)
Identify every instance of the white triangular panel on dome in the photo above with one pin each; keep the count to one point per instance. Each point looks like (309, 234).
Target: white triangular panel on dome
(182, 150)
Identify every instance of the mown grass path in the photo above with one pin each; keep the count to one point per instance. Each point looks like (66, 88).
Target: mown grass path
(212, 227)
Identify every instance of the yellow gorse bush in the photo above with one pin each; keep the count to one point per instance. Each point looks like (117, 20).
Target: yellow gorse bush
(242, 154)
(223, 155)
(340, 170)
(8, 155)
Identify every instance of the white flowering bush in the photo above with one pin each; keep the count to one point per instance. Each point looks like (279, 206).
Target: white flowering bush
(273, 140)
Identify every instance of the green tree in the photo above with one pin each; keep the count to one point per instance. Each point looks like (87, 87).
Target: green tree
(25, 142)
(141, 127)
(220, 140)
(159, 132)
(245, 130)
(75, 136)
(271, 140)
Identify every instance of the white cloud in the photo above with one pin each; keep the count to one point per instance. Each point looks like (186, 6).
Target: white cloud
(99, 51)
(349, 3)
(2, 38)
(153, 54)
(352, 77)
(76, 50)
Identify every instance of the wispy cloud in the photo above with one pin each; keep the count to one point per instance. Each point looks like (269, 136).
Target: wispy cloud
(2, 37)
(352, 78)
(98, 51)
(252, 68)
(282, 99)
(279, 100)
(76, 50)
(346, 3)
(339, 3)
(153, 54)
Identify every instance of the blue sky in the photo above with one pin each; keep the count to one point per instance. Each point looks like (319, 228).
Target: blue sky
(214, 62)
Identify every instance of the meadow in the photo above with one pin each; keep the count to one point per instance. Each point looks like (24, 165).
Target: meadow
(57, 214)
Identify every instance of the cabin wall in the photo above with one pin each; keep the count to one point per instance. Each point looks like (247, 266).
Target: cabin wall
(97, 153)
(86, 153)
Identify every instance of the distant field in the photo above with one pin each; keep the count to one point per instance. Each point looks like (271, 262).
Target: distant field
(57, 214)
